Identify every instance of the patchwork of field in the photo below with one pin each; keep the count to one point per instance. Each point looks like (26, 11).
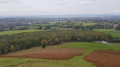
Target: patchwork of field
(110, 31)
(84, 48)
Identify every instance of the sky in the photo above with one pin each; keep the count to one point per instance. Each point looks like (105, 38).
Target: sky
(58, 7)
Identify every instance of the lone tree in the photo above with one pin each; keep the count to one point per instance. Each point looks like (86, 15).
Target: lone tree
(12, 48)
(1, 48)
(44, 43)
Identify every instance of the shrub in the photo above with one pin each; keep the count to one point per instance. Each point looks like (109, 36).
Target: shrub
(12, 48)
(44, 43)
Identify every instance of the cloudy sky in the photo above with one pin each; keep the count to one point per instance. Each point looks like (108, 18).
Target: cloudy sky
(58, 7)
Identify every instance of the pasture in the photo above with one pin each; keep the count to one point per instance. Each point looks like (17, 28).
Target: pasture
(17, 31)
(76, 61)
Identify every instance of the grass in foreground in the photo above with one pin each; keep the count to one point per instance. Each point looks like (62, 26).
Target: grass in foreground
(76, 61)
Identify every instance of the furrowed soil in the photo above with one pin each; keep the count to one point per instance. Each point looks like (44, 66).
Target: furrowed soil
(104, 58)
(53, 53)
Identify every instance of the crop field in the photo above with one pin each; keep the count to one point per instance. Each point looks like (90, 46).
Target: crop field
(104, 58)
(17, 31)
(110, 31)
(53, 53)
(84, 48)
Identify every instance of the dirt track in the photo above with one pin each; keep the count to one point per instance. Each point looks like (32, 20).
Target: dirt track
(104, 58)
(53, 53)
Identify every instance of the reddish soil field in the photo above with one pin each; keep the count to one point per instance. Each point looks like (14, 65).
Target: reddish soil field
(104, 58)
(53, 53)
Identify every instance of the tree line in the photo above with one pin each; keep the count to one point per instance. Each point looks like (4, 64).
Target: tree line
(16, 42)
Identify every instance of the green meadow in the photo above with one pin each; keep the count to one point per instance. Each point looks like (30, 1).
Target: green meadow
(17, 31)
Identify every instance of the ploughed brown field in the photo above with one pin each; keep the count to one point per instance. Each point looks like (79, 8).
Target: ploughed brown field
(53, 53)
(104, 58)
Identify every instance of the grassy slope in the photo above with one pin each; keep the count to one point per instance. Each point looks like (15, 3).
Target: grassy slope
(114, 34)
(73, 62)
(17, 31)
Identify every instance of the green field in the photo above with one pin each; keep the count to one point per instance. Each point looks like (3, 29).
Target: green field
(17, 31)
(76, 61)
(84, 23)
(75, 22)
(110, 31)
(88, 24)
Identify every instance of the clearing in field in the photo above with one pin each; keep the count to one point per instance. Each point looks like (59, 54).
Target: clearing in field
(53, 53)
(104, 58)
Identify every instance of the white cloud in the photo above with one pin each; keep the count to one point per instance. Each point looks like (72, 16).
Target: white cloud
(116, 11)
(41, 7)
(85, 2)
(9, 1)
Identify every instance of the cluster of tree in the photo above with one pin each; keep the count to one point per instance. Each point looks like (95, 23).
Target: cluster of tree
(11, 43)
(118, 27)
(46, 27)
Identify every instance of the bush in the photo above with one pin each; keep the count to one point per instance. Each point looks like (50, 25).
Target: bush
(28, 45)
(44, 43)
(12, 48)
